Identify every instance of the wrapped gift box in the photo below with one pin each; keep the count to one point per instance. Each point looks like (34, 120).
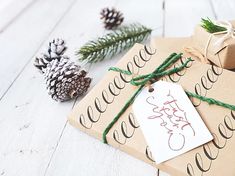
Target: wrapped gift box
(106, 99)
(223, 55)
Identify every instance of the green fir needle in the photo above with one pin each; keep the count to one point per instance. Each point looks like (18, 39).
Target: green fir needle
(211, 27)
(113, 43)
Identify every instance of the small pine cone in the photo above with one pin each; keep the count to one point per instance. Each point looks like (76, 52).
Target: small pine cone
(111, 18)
(55, 50)
(65, 80)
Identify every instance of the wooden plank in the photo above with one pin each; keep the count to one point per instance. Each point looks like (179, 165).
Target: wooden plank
(5, 3)
(22, 39)
(224, 10)
(78, 153)
(28, 136)
(11, 10)
(30, 122)
(135, 12)
(181, 16)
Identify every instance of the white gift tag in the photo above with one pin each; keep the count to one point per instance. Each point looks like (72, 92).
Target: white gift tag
(170, 123)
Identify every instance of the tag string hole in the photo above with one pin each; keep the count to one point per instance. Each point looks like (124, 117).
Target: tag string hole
(151, 89)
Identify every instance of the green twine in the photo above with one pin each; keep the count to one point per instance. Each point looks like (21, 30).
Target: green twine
(120, 70)
(142, 80)
(156, 74)
(128, 103)
(211, 101)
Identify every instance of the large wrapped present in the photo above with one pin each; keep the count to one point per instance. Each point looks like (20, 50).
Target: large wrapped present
(98, 108)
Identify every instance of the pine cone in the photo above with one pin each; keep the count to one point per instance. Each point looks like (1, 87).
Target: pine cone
(55, 51)
(111, 18)
(65, 80)
(56, 48)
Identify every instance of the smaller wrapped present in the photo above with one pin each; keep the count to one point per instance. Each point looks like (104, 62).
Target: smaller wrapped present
(217, 47)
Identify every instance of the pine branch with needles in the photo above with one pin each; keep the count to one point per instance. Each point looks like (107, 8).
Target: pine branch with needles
(113, 43)
(211, 27)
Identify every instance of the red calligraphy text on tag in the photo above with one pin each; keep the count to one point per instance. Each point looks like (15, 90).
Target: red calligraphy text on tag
(173, 119)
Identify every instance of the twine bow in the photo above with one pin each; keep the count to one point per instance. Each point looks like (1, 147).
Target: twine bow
(229, 33)
(159, 72)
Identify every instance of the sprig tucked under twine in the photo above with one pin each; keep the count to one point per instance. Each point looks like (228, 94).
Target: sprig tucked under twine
(113, 43)
(153, 77)
(224, 29)
(211, 27)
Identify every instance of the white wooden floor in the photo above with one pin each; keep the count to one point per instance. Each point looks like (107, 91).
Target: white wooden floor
(35, 138)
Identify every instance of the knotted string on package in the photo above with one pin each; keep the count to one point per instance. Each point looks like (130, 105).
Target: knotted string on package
(143, 80)
(228, 34)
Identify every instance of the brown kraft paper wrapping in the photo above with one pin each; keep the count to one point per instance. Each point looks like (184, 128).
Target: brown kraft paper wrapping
(105, 100)
(221, 55)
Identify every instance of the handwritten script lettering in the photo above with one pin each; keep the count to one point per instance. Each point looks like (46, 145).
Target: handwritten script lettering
(173, 119)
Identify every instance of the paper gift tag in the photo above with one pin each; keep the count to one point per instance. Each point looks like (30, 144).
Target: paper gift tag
(170, 123)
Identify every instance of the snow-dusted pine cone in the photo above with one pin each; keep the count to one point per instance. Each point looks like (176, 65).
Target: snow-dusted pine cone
(65, 80)
(55, 50)
(111, 18)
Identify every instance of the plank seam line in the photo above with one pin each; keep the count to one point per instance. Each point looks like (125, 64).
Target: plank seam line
(55, 149)
(57, 143)
(16, 16)
(163, 17)
(213, 9)
(40, 45)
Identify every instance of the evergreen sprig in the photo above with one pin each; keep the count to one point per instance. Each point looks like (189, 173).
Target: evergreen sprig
(211, 27)
(113, 43)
